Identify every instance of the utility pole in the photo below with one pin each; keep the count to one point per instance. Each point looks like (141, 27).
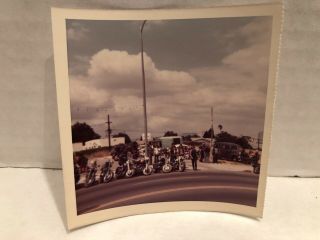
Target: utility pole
(144, 95)
(109, 131)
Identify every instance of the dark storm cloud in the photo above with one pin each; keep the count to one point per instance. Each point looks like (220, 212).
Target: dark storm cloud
(172, 44)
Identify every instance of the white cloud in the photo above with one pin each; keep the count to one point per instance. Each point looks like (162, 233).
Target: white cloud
(122, 72)
(114, 79)
(127, 104)
(238, 86)
(83, 93)
(176, 100)
(76, 32)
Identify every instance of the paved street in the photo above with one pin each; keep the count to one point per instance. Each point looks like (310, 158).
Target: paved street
(201, 185)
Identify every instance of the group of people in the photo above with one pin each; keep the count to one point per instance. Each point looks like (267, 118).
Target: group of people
(204, 153)
(201, 153)
(155, 151)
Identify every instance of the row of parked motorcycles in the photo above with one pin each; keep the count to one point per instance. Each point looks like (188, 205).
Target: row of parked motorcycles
(131, 167)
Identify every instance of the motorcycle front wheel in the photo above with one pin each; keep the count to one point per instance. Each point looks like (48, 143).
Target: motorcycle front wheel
(76, 179)
(86, 184)
(182, 167)
(166, 168)
(120, 173)
(130, 173)
(108, 177)
(89, 182)
(147, 171)
(256, 169)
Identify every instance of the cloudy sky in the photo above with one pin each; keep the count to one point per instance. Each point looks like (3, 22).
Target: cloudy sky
(190, 65)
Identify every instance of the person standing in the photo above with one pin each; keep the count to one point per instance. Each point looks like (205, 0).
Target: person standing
(215, 154)
(201, 153)
(206, 153)
(76, 168)
(83, 162)
(156, 153)
(180, 150)
(172, 153)
(255, 158)
(150, 153)
(194, 158)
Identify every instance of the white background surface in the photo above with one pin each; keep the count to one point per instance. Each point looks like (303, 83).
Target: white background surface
(29, 124)
(36, 211)
(32, 201)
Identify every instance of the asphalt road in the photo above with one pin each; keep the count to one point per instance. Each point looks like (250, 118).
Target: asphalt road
(219, 186)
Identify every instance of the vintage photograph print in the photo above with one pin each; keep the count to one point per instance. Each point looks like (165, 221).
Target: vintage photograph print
(168, 110)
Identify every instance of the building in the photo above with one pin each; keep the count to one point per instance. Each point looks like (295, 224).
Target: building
(168, 141)
(97, 143)
(201, 141)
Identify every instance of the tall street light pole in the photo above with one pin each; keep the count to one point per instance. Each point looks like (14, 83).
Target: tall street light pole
(144, 94)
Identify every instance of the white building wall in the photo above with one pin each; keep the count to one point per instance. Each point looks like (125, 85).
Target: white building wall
(97, 143)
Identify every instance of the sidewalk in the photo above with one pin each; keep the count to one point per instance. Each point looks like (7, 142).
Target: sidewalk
(222, 165)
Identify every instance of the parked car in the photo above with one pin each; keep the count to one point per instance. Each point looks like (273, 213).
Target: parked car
(228, 151)
(256, 162)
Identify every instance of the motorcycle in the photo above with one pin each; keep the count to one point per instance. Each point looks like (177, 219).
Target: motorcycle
(141, 166)
(106, 174)
(91, 176)
(126, 169)
(77, 173)
(130, 168)
(121, 171)
(174, 164)
(158, 165)
(179, 164)
(167, 167)
(256, 168)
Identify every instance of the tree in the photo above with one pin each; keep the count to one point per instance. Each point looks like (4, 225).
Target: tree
(243, 142)
(226, 137)
(189, 136)
(207, 134)
(82, 132)
(120, 151)
(126, 137)
(170, 133)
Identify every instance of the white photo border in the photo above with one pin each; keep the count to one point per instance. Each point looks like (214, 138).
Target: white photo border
(59, 17)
